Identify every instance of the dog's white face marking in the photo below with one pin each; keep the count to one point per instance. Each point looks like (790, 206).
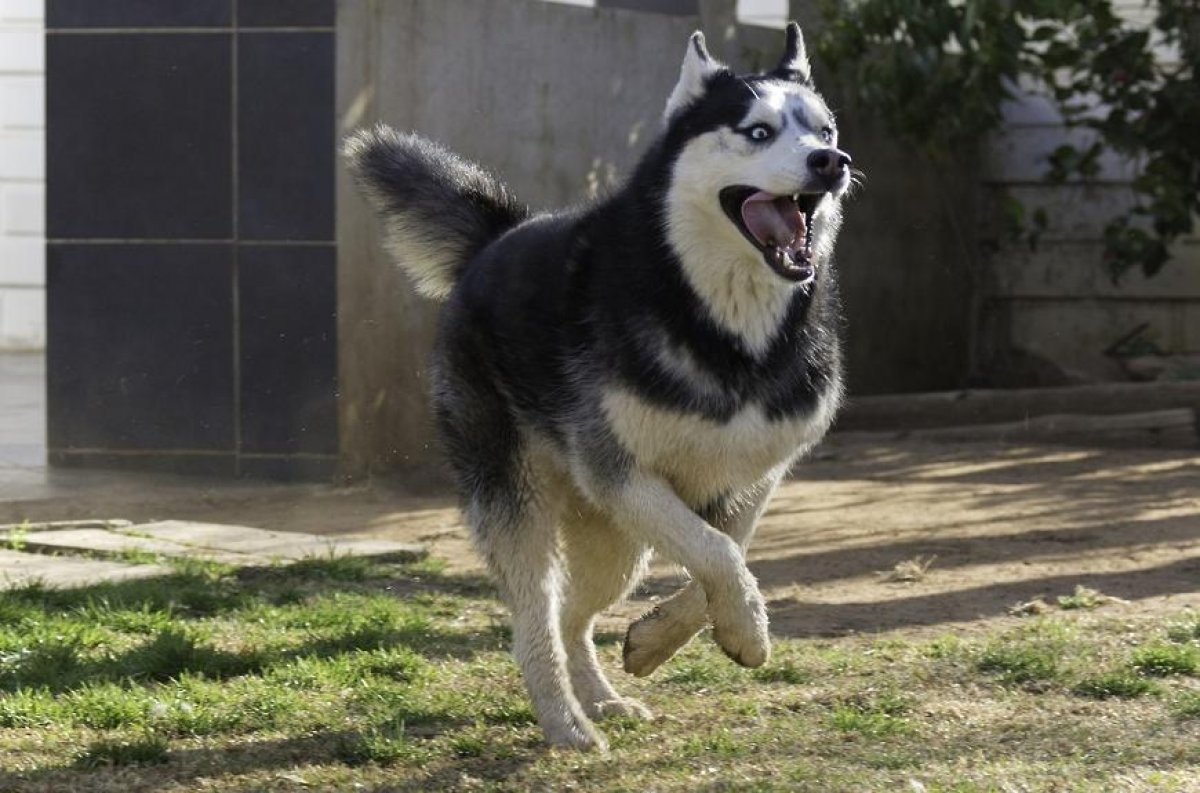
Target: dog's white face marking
(703, 458)
(722, 266)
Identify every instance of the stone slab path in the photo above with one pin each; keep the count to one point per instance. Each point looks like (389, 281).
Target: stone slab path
(98, 541)
(18, 568)
(266, 545)
(74, 553)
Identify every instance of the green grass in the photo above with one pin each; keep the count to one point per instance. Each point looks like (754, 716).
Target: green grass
(1186, 629)
(386, 745)
(785, 671)
(14, 538)
(1020, 664)
(140, 750)
(1122, 684)
(1082, 598)
(334, 675)
(1162, 659)
(334, 567)
(134, 556)
(1188, 705)
(874, 716)
(1039, 654)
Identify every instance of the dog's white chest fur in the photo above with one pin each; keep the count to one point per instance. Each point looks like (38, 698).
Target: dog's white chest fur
(703, 458)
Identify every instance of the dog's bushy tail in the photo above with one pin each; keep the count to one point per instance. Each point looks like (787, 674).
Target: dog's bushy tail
(438, 209)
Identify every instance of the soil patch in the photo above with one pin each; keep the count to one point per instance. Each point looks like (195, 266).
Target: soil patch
(1003, 524)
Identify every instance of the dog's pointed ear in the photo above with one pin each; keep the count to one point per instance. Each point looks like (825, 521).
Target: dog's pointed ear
(697, 67)
(794, 63)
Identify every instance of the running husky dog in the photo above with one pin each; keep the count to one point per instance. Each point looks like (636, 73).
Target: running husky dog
(634, 375)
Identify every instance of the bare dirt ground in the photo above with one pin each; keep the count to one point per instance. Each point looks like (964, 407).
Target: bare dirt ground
(1003, 524)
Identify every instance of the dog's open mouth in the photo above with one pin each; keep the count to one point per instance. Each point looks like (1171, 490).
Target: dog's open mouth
(780, 226)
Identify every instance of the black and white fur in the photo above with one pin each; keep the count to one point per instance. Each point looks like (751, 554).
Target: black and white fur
(627, 376)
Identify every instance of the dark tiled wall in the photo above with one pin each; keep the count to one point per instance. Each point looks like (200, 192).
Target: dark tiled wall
(190, 225)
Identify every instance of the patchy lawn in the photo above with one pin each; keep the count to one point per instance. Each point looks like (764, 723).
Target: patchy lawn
(344, 674)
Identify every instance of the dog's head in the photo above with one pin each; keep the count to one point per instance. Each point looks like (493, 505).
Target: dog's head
(757, 169)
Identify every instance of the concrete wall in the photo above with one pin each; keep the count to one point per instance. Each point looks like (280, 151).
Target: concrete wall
(525, 87)
(560, 100)
(1056, 301)
(22, 176)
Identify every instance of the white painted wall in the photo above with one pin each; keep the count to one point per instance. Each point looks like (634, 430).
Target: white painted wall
(1056, 301)
(22, 176)
(766, 13)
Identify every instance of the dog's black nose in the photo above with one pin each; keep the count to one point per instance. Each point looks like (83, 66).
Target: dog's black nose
(829, 164)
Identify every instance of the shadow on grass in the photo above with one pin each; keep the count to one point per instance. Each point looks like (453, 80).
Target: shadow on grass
(210, 590)
(172, 765)
(173, 615)
(146, 763)
(68, 657)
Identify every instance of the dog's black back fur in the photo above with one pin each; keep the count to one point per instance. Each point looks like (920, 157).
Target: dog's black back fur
(563, 299)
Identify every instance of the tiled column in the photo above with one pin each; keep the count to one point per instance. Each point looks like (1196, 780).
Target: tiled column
(191, 282)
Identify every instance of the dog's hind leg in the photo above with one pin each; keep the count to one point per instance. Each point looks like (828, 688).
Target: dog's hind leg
(513, 513)
(659, 634)
(518, 538)
(603, 564)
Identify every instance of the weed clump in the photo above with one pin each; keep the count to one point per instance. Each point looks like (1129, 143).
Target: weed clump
(1188, 705)
(1019, 664)
(1085, 598)
(384, 745)
(1185, 630)
(872, 715)
(1163, 660)
(1121, 684)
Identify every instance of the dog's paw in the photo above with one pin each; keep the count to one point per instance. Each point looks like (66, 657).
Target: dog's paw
(742, 633)
(621, 706)
(652, 640)
(578, 734)
(752, 653)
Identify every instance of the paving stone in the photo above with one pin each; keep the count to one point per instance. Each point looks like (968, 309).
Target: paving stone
(111, 542)
(66, 524)
(281, 545)
(238, 545)
(17, 568)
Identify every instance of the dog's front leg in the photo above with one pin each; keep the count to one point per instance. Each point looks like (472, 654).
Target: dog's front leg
(649, 508)
(660, 633)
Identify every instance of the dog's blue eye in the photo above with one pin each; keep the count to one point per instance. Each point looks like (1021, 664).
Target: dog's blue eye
(760, 132)
(827, 134)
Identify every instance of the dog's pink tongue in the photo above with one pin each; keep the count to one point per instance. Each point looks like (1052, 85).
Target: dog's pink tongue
(774, 220)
